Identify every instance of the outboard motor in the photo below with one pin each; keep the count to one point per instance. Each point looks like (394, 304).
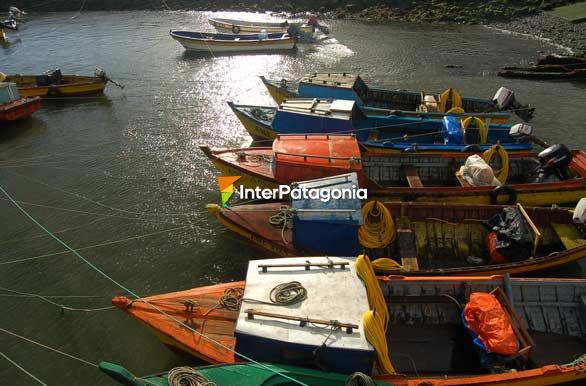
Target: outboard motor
(522, 131)
(55, 76)
(505, 100)
(554, 163)
(579, 217)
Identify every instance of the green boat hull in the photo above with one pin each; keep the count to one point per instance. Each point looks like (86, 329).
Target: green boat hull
(242, 374)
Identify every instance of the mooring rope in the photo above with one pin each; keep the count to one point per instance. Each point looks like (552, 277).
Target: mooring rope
(22, 369)
(61, 306)
(283, 219)
(136, 296)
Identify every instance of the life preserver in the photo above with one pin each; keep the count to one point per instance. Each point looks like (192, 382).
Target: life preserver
(503, 189)
(449, 95)
(482, 129)
(235, 29)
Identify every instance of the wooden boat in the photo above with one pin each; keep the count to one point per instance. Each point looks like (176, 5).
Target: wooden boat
(207, 42)
(14, 107)
(234, 26)
(559, 73)
(242, 374)
(424, 177)
(430, 239)
(409, 328)
(376, 129)
(54, 84)
(351, 87)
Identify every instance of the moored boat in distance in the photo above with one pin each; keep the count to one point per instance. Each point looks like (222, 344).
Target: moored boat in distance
(241, 374)
(235, 26)
(376, 129)
(210, 42)
(14, 107)
(413, 330)
(55, 84)
(554, 176)
(343, 85)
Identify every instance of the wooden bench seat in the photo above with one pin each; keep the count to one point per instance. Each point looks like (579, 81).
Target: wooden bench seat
(568, 235)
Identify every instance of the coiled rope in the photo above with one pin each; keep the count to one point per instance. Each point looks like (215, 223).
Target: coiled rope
(359, 379)
(376, 320)
(288, 293)
(497, 150)
(384, 264)
(378, 228)
(187, 376)
(283, 219)
(231, 300)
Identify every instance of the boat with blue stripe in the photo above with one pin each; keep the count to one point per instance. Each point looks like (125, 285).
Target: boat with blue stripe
(218, 42)
(377, 129)
(344, 85)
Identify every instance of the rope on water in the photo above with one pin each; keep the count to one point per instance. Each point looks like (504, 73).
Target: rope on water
(22, 369)
(136, 296)
(359, 379)
(283, 219)
(48, 348)
(61, 306)
(187, 376)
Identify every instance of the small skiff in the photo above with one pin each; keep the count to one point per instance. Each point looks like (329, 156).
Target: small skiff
(376, 129)
(554, 176)
(233, 26)
(55, 84)
(412, 331)
(241, 374)
(209, 42)
(14, 107)
(428, 239)
(352, 87)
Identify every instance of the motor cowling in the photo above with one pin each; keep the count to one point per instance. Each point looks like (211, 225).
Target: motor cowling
(505, 99)
(554, 162)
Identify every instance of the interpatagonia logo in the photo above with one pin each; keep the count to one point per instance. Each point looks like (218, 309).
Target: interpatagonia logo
(226, 184)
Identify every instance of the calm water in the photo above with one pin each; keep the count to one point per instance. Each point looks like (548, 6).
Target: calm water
(103, 172)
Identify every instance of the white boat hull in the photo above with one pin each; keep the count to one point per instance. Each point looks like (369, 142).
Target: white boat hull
(215, 46)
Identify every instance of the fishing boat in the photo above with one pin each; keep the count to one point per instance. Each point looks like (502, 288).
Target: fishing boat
(234, 26)
(14, 107)
(351, 87)
(210, 42)
(242, 374)
(555, 175)
(55, 84)
(424, 239)
(376, 129)
(560, 73)
(411, 331)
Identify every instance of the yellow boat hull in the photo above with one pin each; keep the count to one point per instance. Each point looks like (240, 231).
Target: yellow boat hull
(71, 86)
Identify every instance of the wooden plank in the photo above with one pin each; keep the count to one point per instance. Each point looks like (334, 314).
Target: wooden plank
(412, 177)
(410, 264)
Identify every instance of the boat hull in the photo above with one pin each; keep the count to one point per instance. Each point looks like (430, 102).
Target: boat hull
(19, 109)
(235, 26)
(235, 45)
(72, 86)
